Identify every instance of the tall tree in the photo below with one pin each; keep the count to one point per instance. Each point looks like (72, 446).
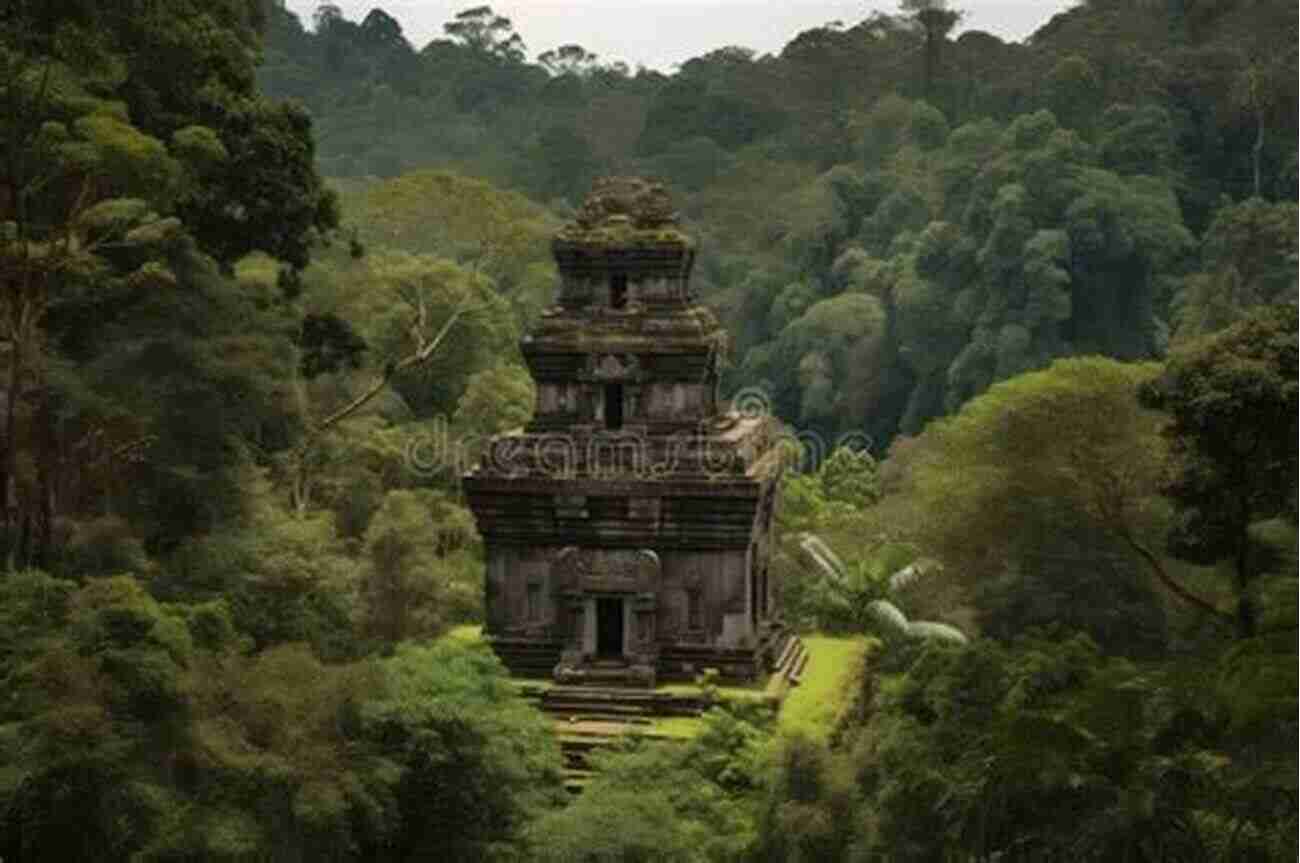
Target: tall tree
(482, 30)
(937, 21)
(1055, 477)
(1232, 401)
(135, 146)
(569, 59)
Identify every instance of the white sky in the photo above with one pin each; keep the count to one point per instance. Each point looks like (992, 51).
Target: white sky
(662, 33)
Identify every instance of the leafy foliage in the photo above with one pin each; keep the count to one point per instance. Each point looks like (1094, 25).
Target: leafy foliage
(1232, 399)
(231, 531)
(662, 802)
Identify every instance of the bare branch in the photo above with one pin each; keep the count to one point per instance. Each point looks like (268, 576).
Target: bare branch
(1158, 568)
(422, 353)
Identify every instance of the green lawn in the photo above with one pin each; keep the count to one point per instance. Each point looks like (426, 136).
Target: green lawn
(830, 680)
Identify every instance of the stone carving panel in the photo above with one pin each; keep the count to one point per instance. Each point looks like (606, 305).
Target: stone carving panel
(595, 570)
(613, 367)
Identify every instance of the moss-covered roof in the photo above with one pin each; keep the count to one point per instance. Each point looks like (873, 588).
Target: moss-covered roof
(625, 211)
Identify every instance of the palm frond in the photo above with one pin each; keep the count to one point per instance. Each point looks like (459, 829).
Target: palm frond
(934, 629)
(825, 559)
(905, 577)
(890, 621)
(914, 572)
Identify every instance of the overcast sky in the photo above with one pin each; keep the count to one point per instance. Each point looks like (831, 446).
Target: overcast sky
(662, 33)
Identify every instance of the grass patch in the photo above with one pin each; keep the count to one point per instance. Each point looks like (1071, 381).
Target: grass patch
(724, 693)
(694, 688)
(470, 633)
(830, 681)
(678, 727)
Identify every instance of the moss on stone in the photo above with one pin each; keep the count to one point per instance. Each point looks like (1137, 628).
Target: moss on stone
(608, 235)
(625, 212)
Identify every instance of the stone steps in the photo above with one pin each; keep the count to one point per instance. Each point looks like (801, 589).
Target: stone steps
(576, 780)
(792, 660)
(528, 658)
(611, 701)
(791, 645)
(590, 718)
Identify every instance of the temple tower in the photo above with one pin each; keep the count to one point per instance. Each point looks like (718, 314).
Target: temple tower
(627, 526)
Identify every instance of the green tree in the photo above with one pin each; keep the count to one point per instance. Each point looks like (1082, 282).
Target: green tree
(123, 183)
(496, 400)
(569, 59)
(493, 231)
(1048, 748)
(809, 804)
(418, 556)
(481, 29)
(1248, 259)
(693, 801)
(1232, 405)
(937, 21)
(477, 763)
(1075, 93)
(106, 682)
(1050, 480)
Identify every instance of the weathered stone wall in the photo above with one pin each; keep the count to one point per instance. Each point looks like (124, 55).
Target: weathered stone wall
(582, 289)
(716, 581)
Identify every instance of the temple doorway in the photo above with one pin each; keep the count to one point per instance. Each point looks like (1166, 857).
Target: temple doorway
(609, 627)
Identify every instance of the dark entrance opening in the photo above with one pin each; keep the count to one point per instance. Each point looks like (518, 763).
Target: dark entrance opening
(609, 628)
(618, 290)
(613, 406)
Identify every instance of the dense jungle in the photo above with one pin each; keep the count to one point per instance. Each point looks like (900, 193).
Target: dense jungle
(262, 284)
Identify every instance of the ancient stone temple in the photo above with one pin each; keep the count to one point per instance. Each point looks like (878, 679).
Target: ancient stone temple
(627, 526)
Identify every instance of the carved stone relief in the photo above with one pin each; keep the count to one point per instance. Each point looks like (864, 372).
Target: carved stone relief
(593, 570)
(613, 367)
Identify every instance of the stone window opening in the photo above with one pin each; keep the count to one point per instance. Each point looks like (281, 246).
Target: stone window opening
(613, 406)
(618, 291)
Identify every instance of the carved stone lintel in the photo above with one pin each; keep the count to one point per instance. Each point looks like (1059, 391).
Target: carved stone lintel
(592, 570)
(612, 367)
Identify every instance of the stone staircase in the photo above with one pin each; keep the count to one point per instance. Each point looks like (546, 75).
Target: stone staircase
(528, 657)
(618, 704)
(590, 717)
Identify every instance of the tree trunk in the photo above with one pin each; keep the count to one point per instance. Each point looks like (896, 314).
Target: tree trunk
(12, 507)
(1258, 150)
(1245, 616)
(46, 454)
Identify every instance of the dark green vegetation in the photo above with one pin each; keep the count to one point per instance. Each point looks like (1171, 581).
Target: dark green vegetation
(1056, 276)
(890, 219)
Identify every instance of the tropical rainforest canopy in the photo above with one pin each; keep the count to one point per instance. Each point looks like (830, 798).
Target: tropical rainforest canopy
(261, 287)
